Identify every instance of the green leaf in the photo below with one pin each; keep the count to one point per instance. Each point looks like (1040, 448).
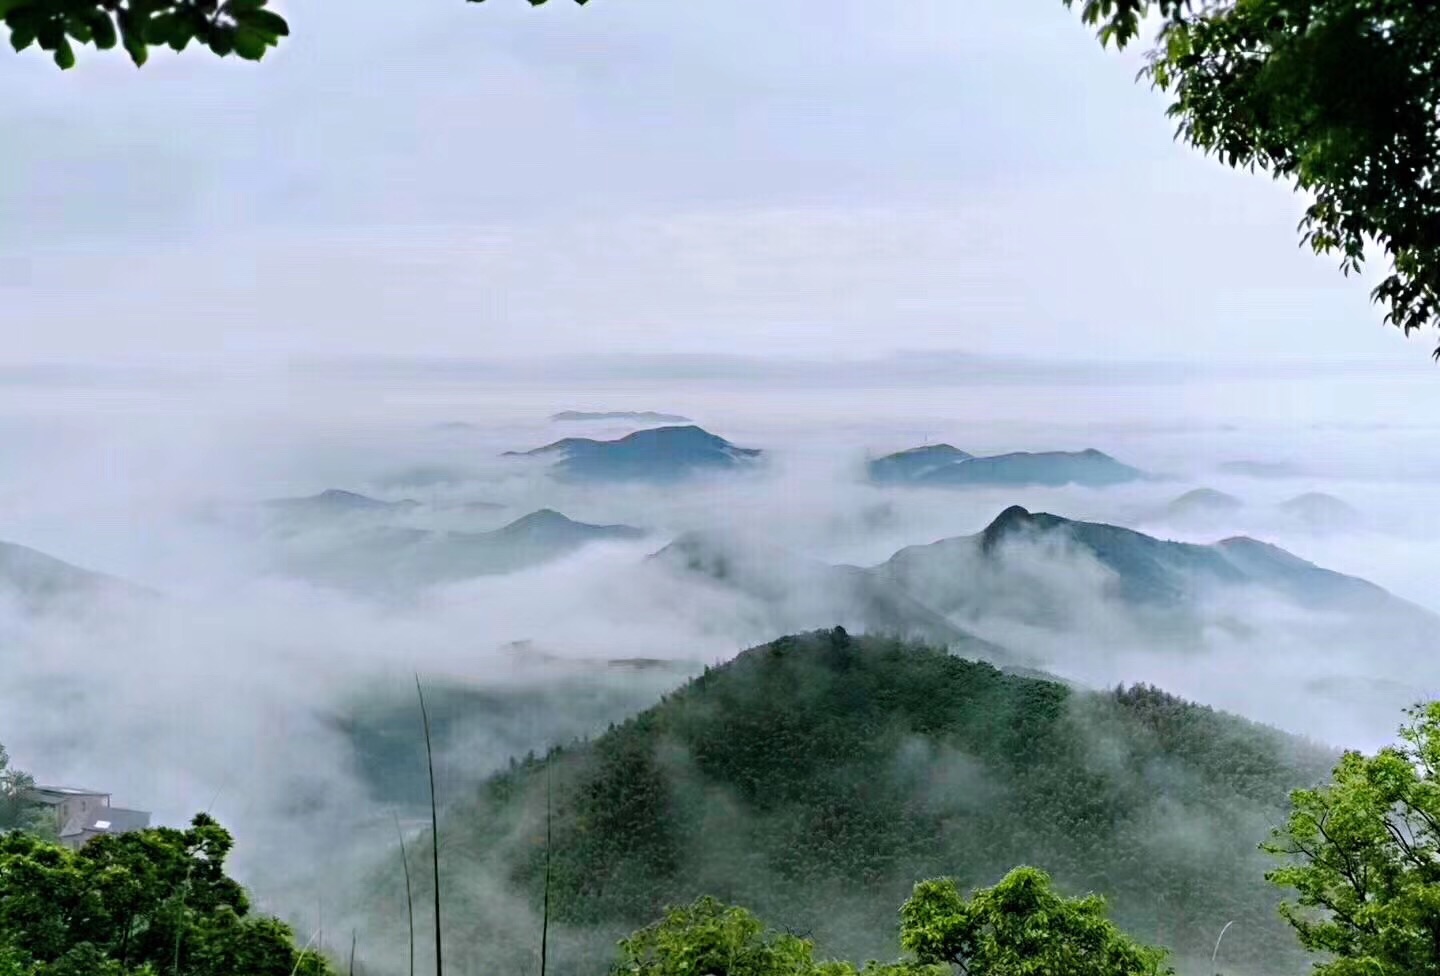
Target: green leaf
(162, 28)
(64, 54)
(6, 6)
(22, 37)
(251, 44)
(103, 29)
(222, 41)
(133, 35)
(79, 29)
(265, 22)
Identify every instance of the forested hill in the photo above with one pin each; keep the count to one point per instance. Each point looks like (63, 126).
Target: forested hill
(815, 778)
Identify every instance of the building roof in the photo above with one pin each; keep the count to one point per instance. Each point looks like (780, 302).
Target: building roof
(107, 820)
(51, 795)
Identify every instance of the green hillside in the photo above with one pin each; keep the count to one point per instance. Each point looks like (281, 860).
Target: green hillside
(814, 779)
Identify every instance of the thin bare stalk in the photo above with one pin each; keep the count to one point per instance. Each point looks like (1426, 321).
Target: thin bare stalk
(545, 909)
(409, 895)
(180, 919)
(434, 822)
(352, 952)
(300, 957)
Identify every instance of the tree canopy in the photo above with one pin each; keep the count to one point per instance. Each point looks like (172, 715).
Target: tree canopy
(1363, 857)
(1340, 98)
(136, 904)
(17, 810)
(1019, 927)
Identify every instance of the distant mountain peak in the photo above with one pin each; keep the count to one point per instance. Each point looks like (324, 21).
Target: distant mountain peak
(338, 499)
(937, 450)
(1017, 518)
(652, 454)
(945, 465)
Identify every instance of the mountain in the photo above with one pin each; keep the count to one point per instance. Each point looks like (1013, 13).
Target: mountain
(814, 779)
(639, 416)
(39, 584)
(660, 454)
(388, 557)
(915, 463)
(943, 465)
(1090, 468)
(337, 502)
(1203, 503)
(790, 592)
(527, 701)
(1322, 512)
(1021, 555)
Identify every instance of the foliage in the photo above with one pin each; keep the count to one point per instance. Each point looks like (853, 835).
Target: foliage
(814, 778)
(136, 904)
(1020, 927)
(1363, 854)
(710, 937)
(17, 810)
(1339, 97)
(245, 28)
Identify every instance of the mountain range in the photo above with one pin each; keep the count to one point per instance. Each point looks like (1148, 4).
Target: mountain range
(994, 594)
(336, 502)
(658, 454)
(1311, 511)
(791, 592)
(947, 466)
(1141, 570)
(814, 779)
(393, 557)
(38, 584)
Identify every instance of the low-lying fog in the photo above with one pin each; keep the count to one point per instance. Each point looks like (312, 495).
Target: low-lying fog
(222, 687)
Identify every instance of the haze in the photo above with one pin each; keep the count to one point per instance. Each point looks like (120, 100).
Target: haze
(388, 255)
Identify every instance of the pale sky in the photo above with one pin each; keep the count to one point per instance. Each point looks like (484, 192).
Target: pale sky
(819, 178)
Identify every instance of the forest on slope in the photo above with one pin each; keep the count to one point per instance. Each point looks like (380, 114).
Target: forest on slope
(815, 778)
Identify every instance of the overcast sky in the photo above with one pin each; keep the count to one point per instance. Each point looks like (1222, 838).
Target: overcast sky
(808, 178)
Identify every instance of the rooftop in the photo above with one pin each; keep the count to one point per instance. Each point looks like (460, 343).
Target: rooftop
(107, 820)
(56, 794)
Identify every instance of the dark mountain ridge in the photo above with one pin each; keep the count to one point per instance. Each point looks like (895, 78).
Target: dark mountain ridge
(397, 557)
(656, 454)
(815, 778)
(36, 583)
(943, 465)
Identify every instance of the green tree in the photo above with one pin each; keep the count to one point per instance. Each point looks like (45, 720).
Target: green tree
(1020, 927)
(17, 810)
(1363, 856)
(709, 937)
(1341, 98)
(135, 904)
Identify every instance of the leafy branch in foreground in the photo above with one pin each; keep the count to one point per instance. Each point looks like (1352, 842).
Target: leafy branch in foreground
(245, 28)
(1341, 98)
(1362, 854)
